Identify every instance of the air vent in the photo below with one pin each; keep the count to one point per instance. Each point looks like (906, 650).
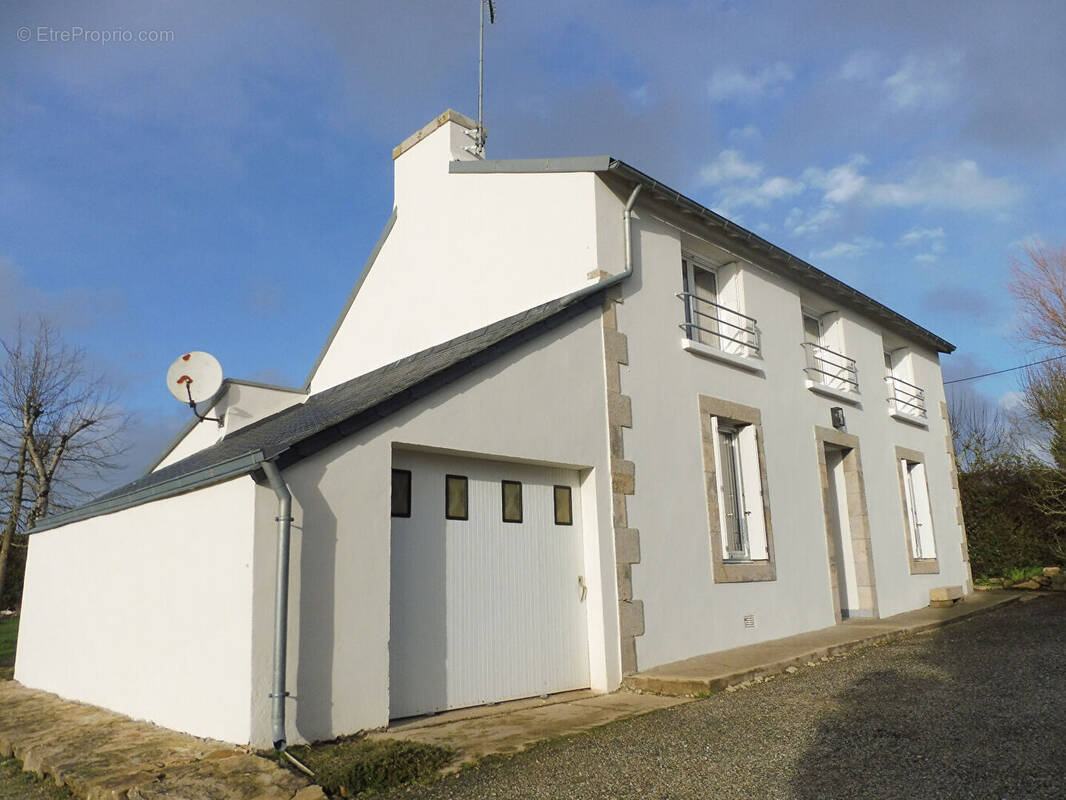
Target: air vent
(749, 621)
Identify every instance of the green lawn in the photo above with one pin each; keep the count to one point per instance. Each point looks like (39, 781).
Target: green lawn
(9, 631)
(18, 785)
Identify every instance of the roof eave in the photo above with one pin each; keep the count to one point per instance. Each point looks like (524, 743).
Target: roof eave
(216, 473)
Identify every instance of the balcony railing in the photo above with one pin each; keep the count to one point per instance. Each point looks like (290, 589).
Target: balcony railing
(720, 327)
(831, 368)
(905, 398)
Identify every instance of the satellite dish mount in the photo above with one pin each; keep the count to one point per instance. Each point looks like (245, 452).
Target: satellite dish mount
(194, 378)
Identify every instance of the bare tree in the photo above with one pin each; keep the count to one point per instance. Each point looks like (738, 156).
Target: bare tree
(1038, 283)
(59, 430)
(981, 432)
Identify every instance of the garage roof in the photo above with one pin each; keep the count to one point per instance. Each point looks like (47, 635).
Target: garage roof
(329, 416)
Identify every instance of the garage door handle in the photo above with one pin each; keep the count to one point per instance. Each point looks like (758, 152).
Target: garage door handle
(584, 588)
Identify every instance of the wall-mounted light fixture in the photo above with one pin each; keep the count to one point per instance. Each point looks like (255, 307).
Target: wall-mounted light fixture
(836, 414)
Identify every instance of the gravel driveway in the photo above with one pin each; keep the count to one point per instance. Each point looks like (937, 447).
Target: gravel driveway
(977, 710)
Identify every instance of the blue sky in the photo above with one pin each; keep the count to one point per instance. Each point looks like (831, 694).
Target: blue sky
(221, 190)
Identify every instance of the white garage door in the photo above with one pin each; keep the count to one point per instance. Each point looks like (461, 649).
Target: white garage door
(484, 609)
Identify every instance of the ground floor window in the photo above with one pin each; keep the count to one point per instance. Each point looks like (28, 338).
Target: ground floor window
(738, 505)
(917, 510)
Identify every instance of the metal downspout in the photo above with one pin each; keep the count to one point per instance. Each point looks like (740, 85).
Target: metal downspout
(627, 216)
(281, 603)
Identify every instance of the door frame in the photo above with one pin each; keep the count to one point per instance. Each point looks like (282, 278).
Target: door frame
(858, 521)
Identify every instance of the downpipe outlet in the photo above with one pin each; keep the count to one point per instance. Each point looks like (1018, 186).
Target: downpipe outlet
(627, 222)
(281, 604)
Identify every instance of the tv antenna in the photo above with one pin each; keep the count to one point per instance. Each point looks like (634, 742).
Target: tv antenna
(479, 135)
(194, 378)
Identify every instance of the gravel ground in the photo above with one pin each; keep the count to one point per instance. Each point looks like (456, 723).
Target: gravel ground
(975, 710)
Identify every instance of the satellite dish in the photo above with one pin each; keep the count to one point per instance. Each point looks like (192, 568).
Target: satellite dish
(195, 377)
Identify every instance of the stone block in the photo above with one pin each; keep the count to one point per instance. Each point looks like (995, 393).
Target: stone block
(624, 577)
(616, 346)
(627, 546)
(621, 515)
(949, 594)
(629, 655)
(1050, 572)
(631, 618)
(619, 409)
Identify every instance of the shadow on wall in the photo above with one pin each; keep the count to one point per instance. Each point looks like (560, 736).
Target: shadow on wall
(418, 639)
(318, 556)
(954, 726)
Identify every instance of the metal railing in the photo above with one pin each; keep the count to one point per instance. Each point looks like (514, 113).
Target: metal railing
(905, 398)
(831, 368)
(720, 327)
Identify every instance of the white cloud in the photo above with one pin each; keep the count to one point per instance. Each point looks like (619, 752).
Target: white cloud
(802, 222)
(945, 184)
(749, 133)
(840, 184)
(858, 246)
(727, 84)
(862, 65)
(730, 166)
(931, 238)
(924, 82)
(932, 183)
(1011, 400)
(759, 195)
(919, 235)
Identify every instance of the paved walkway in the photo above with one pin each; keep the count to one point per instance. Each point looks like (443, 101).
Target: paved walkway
(717, 671)
(100, 755)
(512, 727)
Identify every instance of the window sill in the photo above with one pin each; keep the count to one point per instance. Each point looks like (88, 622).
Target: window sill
(748, 363)
(837, 394)
(910, 419)
(925, 566)
(743, 571)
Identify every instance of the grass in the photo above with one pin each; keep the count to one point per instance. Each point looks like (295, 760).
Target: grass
(356, 765)
(1019, 574)
(9, 631)
(18, 785)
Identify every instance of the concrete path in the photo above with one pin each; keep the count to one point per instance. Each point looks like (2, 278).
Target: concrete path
(717, 671)
(100, 755)
(512, 727)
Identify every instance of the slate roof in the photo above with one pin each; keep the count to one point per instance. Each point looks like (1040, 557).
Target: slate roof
(329, 416)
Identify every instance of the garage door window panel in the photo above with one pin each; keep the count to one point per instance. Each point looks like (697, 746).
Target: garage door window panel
(401, 493)
(564, 506)
(456, 497)
(512, 501)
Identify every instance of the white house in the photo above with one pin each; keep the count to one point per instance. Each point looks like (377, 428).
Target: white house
(570, 425)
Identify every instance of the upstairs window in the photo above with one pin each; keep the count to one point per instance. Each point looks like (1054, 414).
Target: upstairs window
(827, 365)
(905, 397)
(709, 318)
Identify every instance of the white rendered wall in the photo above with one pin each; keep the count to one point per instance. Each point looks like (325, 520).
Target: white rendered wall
(148, 612)
(544, 403)
(465, 251)
(686, 612)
